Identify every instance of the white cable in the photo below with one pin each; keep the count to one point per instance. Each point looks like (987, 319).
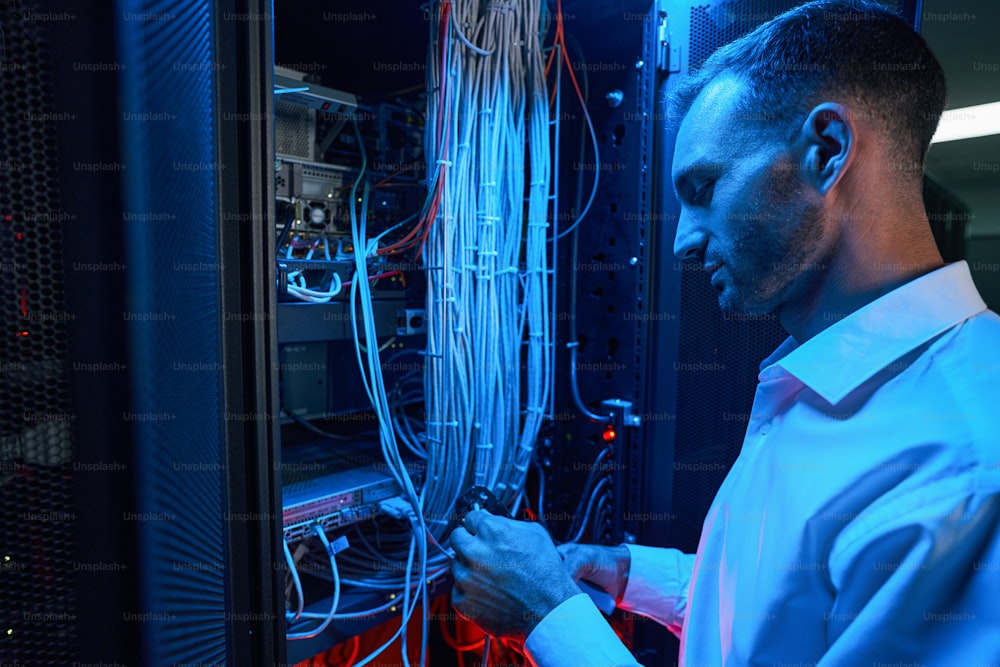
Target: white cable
(297, 282)
(488, 289)
(590, 507)
(486, 255)
(295, 579)
(316, 296)
(318, 529)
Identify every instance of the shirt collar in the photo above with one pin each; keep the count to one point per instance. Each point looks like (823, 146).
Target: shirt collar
(840, 358)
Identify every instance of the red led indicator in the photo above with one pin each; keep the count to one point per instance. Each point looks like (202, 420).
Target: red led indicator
(609, 434)
(22, 334)
(326, 105)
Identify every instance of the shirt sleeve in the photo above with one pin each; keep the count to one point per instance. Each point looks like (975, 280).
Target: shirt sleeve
(658, 582)
(575, 634)
(917, 583)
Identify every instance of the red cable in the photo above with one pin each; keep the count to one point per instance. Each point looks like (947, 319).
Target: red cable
(387, 274)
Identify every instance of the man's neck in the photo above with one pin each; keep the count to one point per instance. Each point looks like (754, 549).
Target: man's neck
(862, 271)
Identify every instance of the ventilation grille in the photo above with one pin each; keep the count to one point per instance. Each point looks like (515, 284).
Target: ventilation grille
(716, 24)
(38, 609)
(295, 131)
(175, 347)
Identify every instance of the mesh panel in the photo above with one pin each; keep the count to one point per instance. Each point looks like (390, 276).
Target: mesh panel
(174, 319)
(716, 24)
(295, 130)
(718, 362)
(37, 589)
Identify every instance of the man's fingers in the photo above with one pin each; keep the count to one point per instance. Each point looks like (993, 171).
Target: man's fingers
(473, 521)
(468, 547)
(574, 559)
(565, 549)
(461, 541)
(459, 571)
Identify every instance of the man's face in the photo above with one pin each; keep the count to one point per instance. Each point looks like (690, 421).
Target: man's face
(746, 214)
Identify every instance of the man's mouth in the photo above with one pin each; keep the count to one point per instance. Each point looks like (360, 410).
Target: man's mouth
(713, 272)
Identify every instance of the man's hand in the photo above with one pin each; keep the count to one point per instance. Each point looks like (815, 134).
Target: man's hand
(606, 567)
(508, 574)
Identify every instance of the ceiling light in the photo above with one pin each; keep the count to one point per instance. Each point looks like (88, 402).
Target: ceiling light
(968, 122)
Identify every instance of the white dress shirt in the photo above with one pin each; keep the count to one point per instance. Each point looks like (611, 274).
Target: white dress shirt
(860, 525)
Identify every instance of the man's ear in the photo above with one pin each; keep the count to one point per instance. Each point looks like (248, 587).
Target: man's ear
(828, 139)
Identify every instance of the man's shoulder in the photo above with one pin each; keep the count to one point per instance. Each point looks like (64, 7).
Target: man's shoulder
(960, 381)
(973, 348)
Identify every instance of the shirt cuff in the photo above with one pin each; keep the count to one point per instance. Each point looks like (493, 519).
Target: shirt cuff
(657, 584)
(575, 634)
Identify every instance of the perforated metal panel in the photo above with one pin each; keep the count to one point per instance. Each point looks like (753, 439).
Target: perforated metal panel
(295, 131)
(718, 23)
(713, 25)
(174, 321)
(37, 582)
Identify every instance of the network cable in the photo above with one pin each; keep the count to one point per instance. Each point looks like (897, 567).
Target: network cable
(482, 239)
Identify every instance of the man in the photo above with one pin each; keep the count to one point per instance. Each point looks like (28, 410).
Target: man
(860, 525)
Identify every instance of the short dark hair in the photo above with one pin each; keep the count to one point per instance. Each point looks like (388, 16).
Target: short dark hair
(854, 50)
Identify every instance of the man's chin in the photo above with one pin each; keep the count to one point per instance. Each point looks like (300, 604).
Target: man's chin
(733, 307)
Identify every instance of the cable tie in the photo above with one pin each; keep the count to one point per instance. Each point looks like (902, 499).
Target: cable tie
(446, 163)
(486, 110)
(489, 253)
(509, 269)
(485, 445)
(538, 224)
(488, 184)
(446, 299)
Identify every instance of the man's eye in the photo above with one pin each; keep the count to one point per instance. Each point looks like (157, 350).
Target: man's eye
(703, 195)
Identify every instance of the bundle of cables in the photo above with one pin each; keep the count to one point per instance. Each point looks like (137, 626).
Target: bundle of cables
(482, 238)
(489, 333)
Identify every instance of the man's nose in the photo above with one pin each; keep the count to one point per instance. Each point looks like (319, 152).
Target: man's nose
(690, 239)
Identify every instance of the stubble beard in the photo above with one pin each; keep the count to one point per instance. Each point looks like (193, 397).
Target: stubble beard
(777, 254)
